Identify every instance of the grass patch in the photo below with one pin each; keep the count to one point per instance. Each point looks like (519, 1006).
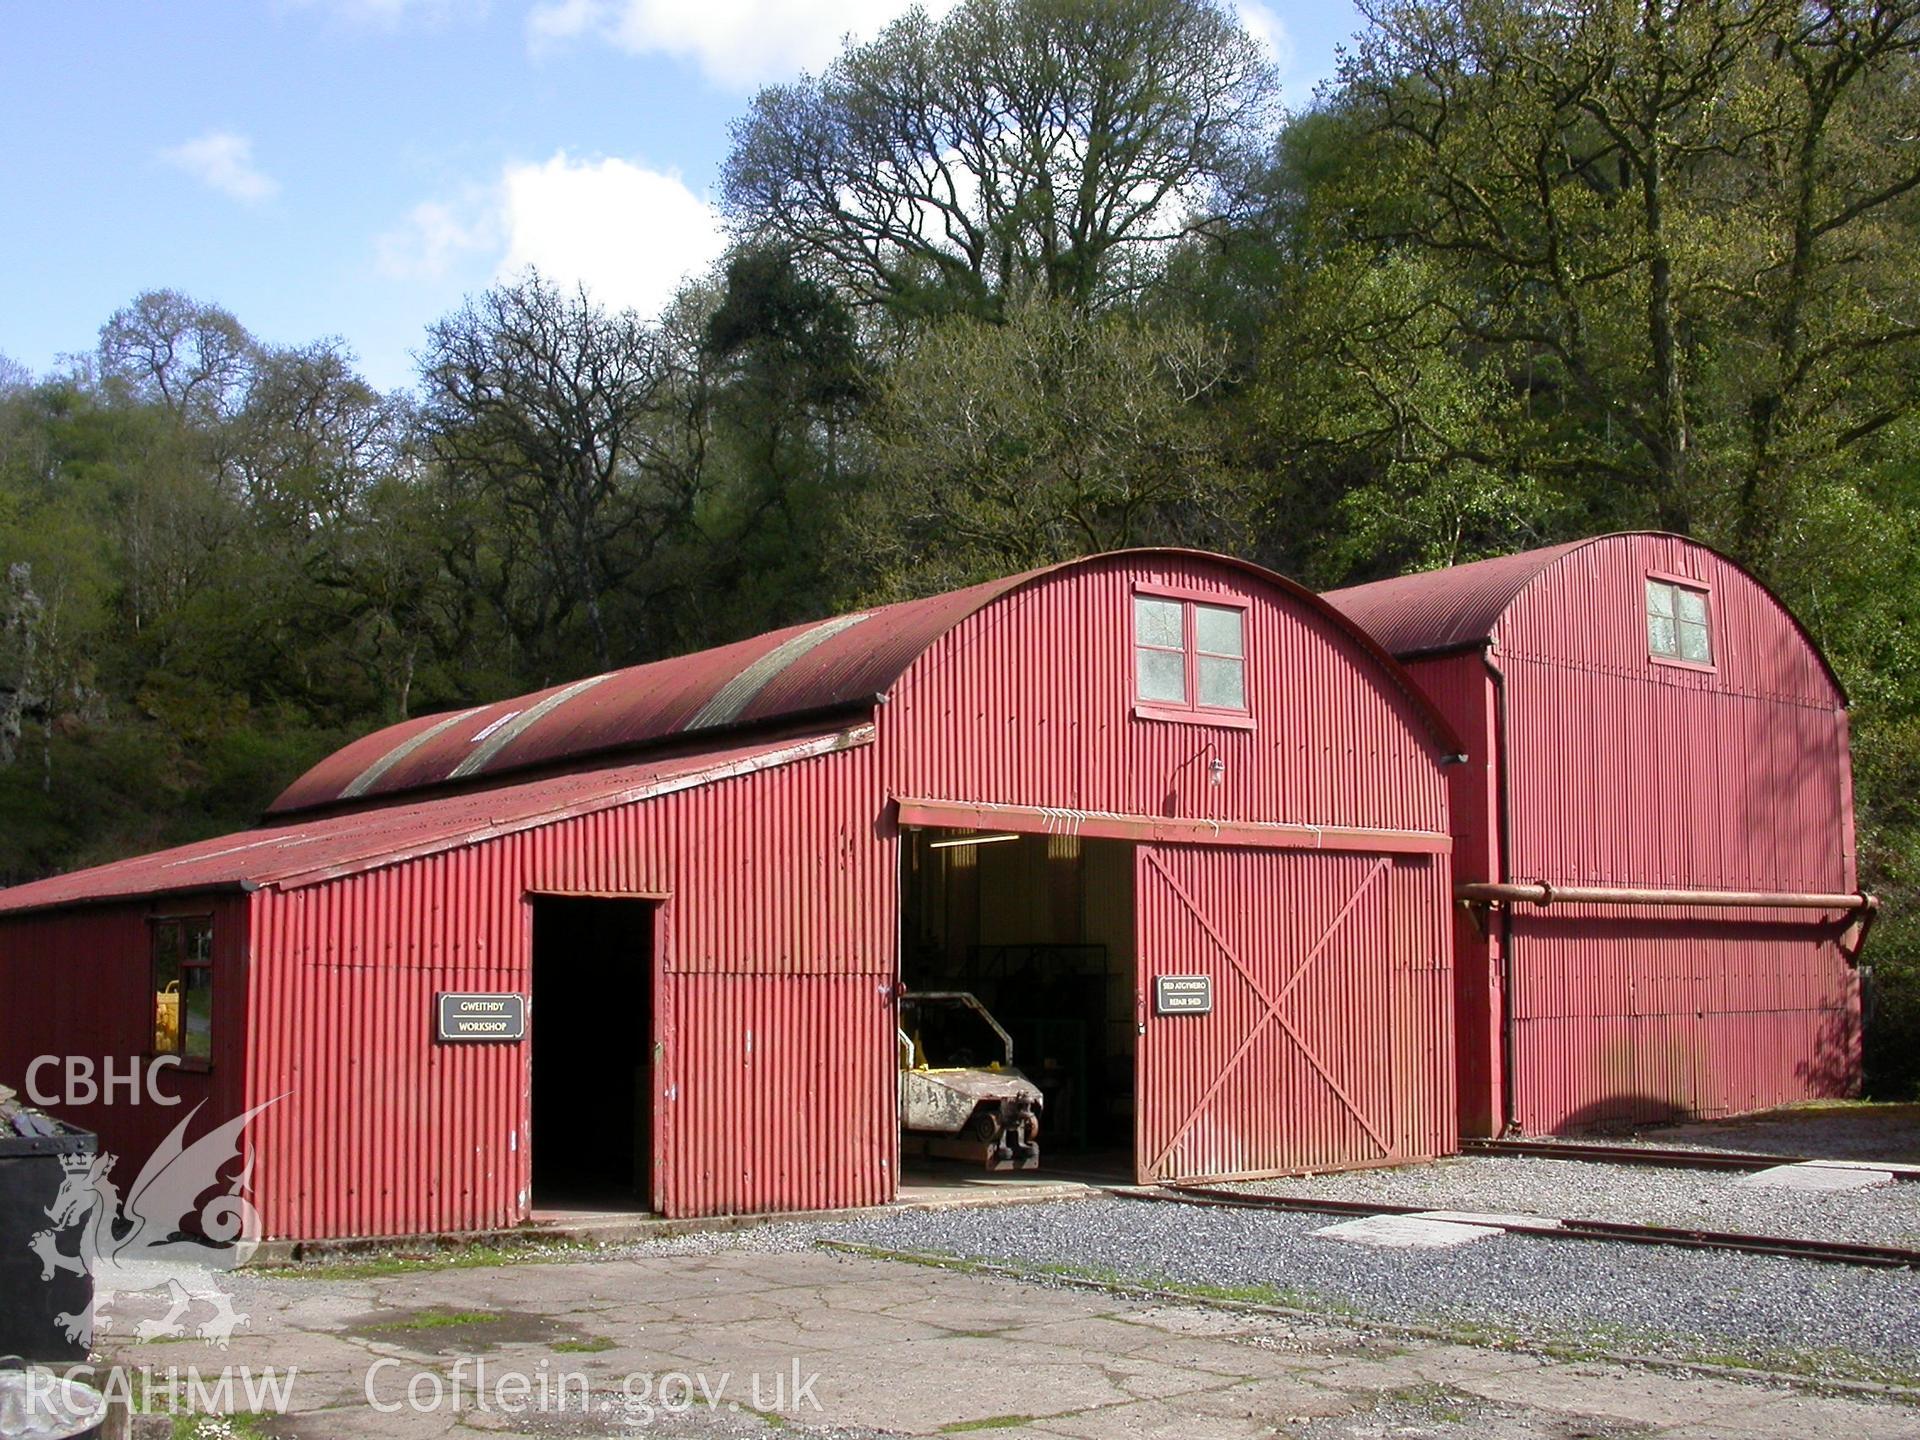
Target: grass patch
(437, 1320)
(992, 1422)
(466, 1257)
(1438, 1404)
(589, 1345)
(243, 1425)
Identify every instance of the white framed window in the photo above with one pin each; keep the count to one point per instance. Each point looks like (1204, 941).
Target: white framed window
(1189, 655)
(1679, 622)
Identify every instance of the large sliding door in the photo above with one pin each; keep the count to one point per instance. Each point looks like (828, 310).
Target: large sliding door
(1326, 1041)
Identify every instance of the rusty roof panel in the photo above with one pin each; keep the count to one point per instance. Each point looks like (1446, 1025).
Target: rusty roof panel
(1434, 611)
(303, 851)
(800, 671)
(782, 678)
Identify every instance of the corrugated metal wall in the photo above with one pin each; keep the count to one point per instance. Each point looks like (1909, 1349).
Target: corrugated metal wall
(83, 978)
(1643, 1015)
(1461, 689)
(776, 948)
(1030, 703)
(1629, 772)
(1330, 1043)
(777, 927)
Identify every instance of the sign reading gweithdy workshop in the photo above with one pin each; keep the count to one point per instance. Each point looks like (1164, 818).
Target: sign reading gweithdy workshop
(481, 1017)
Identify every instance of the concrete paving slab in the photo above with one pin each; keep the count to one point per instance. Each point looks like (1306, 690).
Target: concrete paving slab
(1815, 1177)
(1158, 1420)
(1698, 1406)
(906, 1349)
(1405, 1232)
(1476, 1217)
(1794, 1417)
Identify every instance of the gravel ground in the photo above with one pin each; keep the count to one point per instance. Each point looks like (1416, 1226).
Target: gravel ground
(1821, 1318)
(1842, 1131)
(1587, 1190)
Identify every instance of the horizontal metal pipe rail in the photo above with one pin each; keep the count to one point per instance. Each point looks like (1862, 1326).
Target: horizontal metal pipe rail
(1836, 1252)
(1542, 893)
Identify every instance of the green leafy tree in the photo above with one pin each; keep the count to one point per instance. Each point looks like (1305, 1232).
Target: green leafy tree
(1058, 433)
(1670, 218)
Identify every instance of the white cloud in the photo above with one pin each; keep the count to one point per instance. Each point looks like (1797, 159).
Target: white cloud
(1261, 22)
(223, 161)
(434, 237)
(736, 43)
(630, 235)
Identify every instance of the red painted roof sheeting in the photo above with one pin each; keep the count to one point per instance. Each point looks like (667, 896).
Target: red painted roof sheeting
(1433, 611)
(804, 671)
(304, 852)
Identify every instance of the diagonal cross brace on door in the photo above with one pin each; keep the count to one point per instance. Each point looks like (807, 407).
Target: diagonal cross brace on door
(1273, 1011)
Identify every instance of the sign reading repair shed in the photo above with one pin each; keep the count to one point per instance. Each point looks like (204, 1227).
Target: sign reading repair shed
(1183, 994)
(482, 1017)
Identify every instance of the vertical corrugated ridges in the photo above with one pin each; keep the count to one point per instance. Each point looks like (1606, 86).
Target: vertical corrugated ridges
(1029, 703)
(778, 923)
(1357, 1068)
(1625, 772)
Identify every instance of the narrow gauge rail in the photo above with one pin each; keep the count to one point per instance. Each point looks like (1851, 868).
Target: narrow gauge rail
(1837, 1252)
(1670, 1157)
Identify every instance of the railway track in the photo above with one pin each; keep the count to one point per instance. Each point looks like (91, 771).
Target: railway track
(1668, 1157)
(1836, 1252)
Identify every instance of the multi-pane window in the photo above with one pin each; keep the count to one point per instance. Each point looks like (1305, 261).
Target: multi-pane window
(1189, 655)
(1677, 625)
(183, 987)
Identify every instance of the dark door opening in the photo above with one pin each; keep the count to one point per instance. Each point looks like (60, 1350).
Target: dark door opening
(1040, 928)
(592, 1038)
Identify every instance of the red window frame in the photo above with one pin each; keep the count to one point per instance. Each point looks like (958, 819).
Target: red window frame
(1705, 592)
(1191, 712)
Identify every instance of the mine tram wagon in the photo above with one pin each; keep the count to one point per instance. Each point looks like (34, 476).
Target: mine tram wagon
(957, 1101)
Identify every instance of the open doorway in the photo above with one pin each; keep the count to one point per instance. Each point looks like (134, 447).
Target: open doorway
(1040, 929)
(592, 1039)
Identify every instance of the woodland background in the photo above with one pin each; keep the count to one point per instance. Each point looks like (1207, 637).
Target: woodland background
(1042, 278)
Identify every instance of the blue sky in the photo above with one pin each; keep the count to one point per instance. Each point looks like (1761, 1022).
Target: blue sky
(353, 167)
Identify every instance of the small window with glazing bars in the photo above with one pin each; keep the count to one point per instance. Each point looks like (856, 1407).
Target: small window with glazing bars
(1189, 657)
(1678, 623)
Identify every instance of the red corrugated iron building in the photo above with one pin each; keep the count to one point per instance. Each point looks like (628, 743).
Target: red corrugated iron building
(1642, 717)
(709, 876)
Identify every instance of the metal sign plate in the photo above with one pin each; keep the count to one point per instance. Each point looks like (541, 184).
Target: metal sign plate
(1183, 994)
(481, 1017)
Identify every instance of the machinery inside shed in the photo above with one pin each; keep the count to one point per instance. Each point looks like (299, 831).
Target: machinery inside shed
(1039, 929)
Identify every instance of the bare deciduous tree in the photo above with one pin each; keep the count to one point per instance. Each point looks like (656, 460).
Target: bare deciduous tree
(1050, 146)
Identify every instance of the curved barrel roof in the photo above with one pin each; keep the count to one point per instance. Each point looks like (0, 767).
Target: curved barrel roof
(1434, 612)
(803, 672)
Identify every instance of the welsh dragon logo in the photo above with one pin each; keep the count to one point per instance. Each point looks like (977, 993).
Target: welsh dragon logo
(138, 1244)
